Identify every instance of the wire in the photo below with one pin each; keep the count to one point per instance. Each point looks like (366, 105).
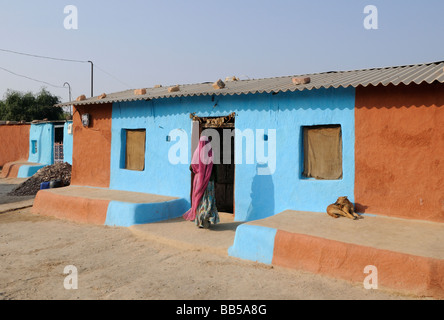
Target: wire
(115, 78)
(59, 59)
(43, 57)
(29, 78)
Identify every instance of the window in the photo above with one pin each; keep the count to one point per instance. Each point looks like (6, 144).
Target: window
(322, 152)
(34, 146)
(135, 149)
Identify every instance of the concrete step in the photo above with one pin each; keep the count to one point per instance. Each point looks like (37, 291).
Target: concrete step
(408, 254)
(106, 206)
(20, 169)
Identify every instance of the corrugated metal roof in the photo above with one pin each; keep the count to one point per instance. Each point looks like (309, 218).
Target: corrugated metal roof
(419, 73)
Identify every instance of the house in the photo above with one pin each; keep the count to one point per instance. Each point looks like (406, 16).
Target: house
(14, 141)
(287, 148)
(386, 125)
(35, 145)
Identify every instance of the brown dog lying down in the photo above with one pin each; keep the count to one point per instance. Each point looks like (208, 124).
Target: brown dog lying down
(342, 207)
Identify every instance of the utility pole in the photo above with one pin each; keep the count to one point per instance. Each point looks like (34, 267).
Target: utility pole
(69, 88)
(92, 78)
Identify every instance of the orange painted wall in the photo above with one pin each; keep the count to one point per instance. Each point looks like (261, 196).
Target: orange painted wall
(399, 151)
(83, 210)
(11, 169)
(14, 143)
(92, 147)
(396, 270)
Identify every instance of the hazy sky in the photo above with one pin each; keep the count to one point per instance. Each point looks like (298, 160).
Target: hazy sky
(144, 42)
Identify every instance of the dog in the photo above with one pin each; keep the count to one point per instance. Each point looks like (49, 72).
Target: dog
(342, 207)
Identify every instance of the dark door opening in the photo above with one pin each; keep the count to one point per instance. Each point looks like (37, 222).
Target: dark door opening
(224, 185)
(225, 170)
(58, 143)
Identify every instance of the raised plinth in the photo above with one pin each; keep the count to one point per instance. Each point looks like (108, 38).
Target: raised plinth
(20, 169)
(107, 207)
(408, 254)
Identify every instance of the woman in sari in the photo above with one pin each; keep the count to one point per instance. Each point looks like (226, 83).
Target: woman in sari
(203, 201)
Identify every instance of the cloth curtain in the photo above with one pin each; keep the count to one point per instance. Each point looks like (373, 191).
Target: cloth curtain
(323, 152)
(135, 150)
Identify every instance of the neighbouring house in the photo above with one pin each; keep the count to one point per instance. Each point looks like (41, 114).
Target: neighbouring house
(35, 146)
(14, 143)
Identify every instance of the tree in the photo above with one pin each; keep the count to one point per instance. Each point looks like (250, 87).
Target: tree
(28, 106)
(2, 108)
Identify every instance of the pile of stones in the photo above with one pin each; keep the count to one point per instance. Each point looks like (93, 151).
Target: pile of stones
(58, 174)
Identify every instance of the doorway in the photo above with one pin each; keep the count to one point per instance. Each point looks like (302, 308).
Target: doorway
(225, 170)
(58, 143)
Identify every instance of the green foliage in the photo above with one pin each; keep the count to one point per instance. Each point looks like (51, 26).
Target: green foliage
(2, 109)
(28, 106)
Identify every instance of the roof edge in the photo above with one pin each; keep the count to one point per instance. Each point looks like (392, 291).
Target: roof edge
(206, 88)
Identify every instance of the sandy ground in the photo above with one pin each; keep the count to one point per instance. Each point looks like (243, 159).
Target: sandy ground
(8, 202)
(125, 263)
(112, 263)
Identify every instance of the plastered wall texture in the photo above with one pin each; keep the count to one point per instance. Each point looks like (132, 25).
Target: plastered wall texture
(399, 151)
(10, 170)
(40, 149)
(91, 147)
(91, 168)
(43, 134)
(347, 261)
(257, 196)
(68, 140)
(14, 144)
(79, 209)
(343, 248)
(27, 148)
(396, 270)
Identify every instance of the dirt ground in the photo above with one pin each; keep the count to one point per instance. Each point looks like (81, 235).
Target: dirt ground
(123, 263)
(112, 263)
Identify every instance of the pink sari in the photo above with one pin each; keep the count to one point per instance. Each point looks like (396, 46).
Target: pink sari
(202, 165)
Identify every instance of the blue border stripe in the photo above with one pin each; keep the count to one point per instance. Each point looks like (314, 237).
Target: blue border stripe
(255, 243)
(125, 214)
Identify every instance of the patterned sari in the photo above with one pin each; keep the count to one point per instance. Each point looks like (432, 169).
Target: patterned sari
(206, 212)
(203, 201)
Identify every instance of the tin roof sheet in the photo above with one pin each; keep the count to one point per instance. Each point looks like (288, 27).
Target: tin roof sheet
(419, 73)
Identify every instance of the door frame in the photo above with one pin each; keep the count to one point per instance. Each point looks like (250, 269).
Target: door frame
(227, 123)
(60, 127)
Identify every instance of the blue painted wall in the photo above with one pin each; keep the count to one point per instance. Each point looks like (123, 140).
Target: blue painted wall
(126, 214)
(159, 177)
(43, 135)
(67, 143)
(256, 196)
(255, 243)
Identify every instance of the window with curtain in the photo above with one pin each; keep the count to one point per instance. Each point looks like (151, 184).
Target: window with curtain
(322, 152)
(135, 149)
